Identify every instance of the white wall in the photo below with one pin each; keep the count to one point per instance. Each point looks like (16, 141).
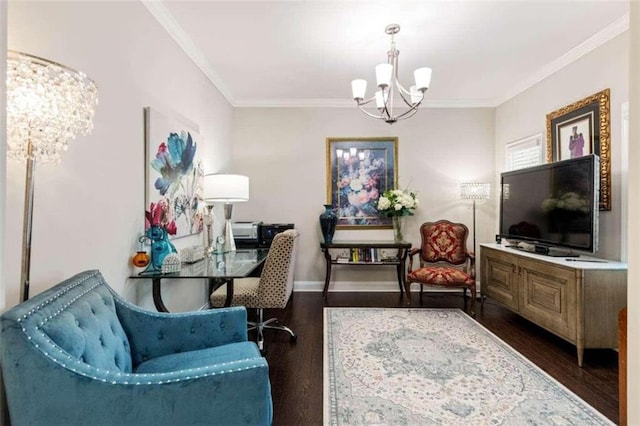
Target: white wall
(633, 291)
(524, 115)
(3, 146)
(283, 151)
(90, 208)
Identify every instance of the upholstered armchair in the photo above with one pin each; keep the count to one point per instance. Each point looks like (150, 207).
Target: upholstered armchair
(444, 260)
(271, 290)
(78, 354)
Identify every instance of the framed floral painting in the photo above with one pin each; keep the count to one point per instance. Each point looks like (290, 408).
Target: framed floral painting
(173, 175)
(359, 170)
(582, 128)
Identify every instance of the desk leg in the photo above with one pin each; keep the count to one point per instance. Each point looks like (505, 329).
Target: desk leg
(157, 296)
(327, 274)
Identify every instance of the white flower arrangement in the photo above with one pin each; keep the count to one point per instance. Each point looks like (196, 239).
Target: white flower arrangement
(398, 202)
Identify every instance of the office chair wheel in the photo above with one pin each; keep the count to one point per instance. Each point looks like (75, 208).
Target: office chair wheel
(293, 338)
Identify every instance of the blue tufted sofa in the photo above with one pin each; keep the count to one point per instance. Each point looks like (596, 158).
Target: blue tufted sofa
(78, 354)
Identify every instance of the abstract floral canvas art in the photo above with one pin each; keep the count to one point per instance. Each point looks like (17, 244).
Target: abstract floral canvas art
(174, 175)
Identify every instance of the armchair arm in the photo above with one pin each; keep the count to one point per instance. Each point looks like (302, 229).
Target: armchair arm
(153, 334)
(412, 253)
(471, 264)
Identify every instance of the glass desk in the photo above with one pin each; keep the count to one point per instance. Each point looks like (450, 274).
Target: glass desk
(218, 270)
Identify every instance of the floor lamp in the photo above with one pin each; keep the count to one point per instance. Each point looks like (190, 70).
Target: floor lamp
(474, 191)
(48, 105)
(227, 189)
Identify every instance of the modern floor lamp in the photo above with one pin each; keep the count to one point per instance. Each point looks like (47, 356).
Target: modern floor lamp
(48, 105)
(227, 189)
(475, 191)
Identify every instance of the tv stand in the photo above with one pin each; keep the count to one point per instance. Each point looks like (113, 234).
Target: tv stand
(577, 299)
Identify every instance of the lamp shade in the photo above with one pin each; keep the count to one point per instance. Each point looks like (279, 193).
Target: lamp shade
(225, 187)
(48, 105)
(475, 191)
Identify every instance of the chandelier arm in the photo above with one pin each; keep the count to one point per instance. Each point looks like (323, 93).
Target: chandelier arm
(407, 114)
(413, 110)
(369, 114)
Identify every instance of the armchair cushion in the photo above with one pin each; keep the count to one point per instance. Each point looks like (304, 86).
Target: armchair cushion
(226, 354)
(442, 276)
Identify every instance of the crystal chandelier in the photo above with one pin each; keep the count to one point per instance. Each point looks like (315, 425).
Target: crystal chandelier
(48, 105)
(389, 85)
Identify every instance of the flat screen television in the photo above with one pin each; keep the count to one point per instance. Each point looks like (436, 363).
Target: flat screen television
(553, 206)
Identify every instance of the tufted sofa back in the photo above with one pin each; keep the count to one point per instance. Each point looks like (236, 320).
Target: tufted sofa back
(77, 320)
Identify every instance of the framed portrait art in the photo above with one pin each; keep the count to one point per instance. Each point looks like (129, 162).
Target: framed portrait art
(583, 128)
(359, 170)
(173, 174)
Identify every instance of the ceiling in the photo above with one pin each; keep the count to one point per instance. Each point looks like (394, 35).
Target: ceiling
(305, 53)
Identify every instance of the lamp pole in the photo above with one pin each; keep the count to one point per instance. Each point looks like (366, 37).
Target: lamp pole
(27, 224)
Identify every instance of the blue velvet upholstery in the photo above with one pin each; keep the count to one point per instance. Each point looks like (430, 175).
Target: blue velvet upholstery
(78, 354)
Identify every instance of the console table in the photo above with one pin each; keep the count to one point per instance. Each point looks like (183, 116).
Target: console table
(575, 298)
(399, 260)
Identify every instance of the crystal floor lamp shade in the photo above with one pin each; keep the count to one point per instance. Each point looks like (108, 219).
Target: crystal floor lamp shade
(48, 105)
(228, 189)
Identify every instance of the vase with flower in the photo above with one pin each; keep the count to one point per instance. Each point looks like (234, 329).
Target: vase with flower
(396, 204)
(159, 225)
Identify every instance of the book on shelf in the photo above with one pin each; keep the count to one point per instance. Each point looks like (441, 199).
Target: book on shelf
(342, 259)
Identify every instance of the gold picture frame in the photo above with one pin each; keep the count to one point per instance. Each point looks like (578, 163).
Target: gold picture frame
(583, 128)
(359, 170)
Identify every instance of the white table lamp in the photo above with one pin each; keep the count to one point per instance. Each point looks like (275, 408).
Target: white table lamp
(229, 189)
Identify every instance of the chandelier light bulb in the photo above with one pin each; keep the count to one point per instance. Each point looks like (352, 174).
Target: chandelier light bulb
(416, 95)
(423, 78)
(383, 75)
(379, 99)
(359, 88)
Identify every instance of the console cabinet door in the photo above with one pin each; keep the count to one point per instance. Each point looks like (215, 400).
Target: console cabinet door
(548, 297)
(499, 280)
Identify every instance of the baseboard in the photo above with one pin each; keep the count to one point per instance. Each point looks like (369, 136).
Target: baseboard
(364, 286)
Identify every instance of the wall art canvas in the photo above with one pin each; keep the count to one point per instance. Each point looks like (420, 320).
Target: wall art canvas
(359, 170)
(173, 174)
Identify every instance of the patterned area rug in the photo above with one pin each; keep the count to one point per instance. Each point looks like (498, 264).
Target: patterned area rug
(435, 367)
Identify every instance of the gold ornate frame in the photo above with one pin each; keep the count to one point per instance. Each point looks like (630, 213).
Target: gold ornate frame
(356, 205)
(594, 111)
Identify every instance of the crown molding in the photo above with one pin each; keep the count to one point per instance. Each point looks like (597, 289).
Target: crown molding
(167, 21)
(611, 31)
(348, 103)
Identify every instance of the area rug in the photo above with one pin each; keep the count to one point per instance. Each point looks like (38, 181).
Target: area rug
(435, 367)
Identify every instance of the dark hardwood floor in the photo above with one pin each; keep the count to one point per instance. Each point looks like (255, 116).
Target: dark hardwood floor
(296, 369)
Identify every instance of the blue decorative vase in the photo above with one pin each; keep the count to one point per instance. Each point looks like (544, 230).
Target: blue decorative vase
(160, 246)
(328, 222)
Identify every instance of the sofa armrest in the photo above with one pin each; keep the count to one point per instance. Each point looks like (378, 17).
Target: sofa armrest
(153, 334)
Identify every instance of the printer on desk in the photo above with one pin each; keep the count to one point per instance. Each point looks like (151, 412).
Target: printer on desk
(257, 234)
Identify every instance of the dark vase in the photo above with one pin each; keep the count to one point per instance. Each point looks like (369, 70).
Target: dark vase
(328, 222)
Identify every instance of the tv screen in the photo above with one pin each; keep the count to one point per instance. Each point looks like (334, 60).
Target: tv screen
(553, 205)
